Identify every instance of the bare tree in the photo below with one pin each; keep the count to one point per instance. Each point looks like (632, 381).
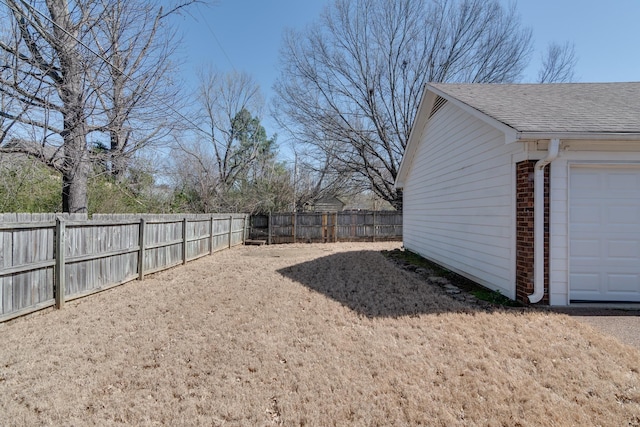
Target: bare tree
(558, 64)
(194, 183)
(56, 82)
(356, 77)
(222, 97)
(317, 173)
(218, 155)
(137, 44)
(229, 163)
(46, 73)
(7, 121)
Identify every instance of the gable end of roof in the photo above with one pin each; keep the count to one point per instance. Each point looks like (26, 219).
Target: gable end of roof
(437, 105)
(553, 108)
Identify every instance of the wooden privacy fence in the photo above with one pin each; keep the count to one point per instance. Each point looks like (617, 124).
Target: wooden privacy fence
(314, 227)
(47, 259)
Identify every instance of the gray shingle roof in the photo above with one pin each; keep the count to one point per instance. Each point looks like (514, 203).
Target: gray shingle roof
(556, 107)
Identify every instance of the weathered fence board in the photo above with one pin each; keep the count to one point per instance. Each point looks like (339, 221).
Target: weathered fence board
(327, 227)
(198, 238)
(221, 234)
(23, 246)
(100, 253)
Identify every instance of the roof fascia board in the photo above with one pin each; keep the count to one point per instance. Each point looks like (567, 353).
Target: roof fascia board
(608, 136)
(510, 134)
(420, 123)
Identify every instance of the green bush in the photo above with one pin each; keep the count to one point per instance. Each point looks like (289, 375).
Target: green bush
(26, 185)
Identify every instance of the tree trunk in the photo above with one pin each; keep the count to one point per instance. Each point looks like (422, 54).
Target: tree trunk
(397, 200)
(74, 191)
(75, 174)
(116, 153)
(76, 166)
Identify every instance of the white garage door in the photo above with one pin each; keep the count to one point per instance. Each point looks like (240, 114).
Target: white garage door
(604, 233)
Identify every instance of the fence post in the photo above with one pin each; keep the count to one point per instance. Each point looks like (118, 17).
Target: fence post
(59, 268)
(335, 229)
(325, 228)
(374, 226)
(269, 230)
(142, 248)
(295, 220)
(244, 228)
(184, 240)
(354, 221)
(211, 236)
(230, 229)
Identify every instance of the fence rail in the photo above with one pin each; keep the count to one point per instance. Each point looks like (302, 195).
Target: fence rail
(327, 227)
(47, 259)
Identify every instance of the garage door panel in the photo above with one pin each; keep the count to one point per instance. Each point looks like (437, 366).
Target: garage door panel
(604, 229)
(621, 179)
(584, 180)
(583, 248)
(624, 250)
(622, 283)
(609, 297)
(622, 215)
(586, 215)
(586, 283)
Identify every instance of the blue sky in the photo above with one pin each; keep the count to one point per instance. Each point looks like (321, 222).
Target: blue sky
(606, 34)
(246, 35)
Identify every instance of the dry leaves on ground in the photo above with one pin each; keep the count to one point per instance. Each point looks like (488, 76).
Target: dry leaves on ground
(313, 335)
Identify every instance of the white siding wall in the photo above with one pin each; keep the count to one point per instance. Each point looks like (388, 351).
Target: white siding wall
(582, 153)
(559, 233)
(459, 207)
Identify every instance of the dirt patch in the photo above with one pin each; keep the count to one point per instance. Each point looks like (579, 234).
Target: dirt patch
(287, 251)
(311, 335)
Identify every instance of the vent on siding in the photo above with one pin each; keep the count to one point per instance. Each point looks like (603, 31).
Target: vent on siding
(440, 101)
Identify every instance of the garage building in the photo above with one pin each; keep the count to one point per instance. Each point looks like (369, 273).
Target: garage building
(532, 190)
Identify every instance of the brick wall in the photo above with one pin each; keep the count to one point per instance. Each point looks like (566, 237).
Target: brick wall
(525, 231)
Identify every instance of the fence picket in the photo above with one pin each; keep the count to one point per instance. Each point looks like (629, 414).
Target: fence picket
(38, 269)
(141, 249)
(322, 227)
(59, 286)
(47, 259)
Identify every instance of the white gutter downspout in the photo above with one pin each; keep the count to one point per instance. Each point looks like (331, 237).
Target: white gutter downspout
(538, 221)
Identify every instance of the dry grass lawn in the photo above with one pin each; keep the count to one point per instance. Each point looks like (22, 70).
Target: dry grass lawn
(314, 335)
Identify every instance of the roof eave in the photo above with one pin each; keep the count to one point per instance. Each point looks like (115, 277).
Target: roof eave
(591, 136)
(509, 132)
(420, 121)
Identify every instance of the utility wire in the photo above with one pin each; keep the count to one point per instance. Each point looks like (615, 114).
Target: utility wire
(224, 52)
(106, 61)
